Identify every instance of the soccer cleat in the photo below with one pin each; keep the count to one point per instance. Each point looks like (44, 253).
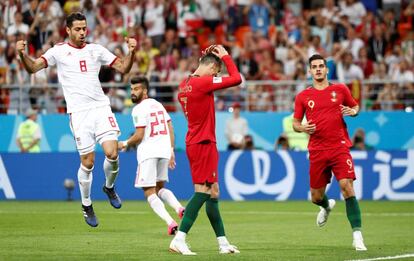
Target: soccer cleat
(181, 247)
(89, 216)
(323, 214)
(181, 212)
(172, 228)
(358, 242)
(114, 199)
(228, 249)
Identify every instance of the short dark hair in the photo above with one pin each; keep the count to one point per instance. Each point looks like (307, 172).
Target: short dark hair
(210, 58)
(140, 79)
(316, 57)
(74, 17)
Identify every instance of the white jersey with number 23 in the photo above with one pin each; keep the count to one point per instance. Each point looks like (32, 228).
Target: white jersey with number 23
(151, 115)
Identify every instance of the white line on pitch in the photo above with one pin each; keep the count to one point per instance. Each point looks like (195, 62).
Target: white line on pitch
(270, 213)
(385, 258)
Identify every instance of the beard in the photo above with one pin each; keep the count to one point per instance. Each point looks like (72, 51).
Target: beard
(135, 99)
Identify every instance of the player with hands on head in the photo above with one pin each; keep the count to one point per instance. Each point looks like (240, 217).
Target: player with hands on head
(91, 119)
(196, 96)
(154, 135)
(325, 105)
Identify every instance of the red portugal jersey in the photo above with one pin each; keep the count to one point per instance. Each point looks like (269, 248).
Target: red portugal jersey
(322, 107)
(196, 96)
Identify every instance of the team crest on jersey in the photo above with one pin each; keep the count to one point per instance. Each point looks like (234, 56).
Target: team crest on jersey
(311, 104)
(69, 54)
(333, 96)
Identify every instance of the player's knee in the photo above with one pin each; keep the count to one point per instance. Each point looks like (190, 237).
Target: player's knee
(316, 198)
(112, 155)
(88, 164)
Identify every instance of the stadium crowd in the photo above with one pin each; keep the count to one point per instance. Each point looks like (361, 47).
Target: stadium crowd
(270, 40)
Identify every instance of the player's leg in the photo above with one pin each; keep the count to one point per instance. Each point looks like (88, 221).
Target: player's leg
(165, 194)
(201, 195)
(353, 213)
(213, 213)
(82, 129)
(106, 133)
(85, 182)
(320, 176)
(159, 208)
(343, 169)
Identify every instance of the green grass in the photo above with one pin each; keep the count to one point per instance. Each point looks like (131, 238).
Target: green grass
(262, 231)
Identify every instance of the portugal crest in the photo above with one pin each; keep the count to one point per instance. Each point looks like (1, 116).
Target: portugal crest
(333, 96)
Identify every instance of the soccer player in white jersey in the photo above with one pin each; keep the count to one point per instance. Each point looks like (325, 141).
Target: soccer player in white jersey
(91, 119)
(154, 136)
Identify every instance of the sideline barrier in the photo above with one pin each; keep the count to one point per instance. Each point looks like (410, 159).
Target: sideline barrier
(256, 175)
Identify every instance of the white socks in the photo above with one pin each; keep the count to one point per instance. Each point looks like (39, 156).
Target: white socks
(85, 182)
(159, 208)
(180, 235)
(111, 169)
(167, 196)
(222, 241)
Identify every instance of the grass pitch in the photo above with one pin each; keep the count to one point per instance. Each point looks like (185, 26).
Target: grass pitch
(262, 230)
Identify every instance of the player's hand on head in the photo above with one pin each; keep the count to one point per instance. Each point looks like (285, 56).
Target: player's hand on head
(21, 46)
(132, 43)
(209, 49)
(220, 51)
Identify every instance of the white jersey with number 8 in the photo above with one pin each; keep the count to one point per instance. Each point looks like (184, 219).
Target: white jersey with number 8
(151, 115)
(78, 70)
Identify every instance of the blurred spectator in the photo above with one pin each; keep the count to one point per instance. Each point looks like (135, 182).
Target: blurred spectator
(377, 45)
(248, 143)
(29, 133)
(154, 21)
(258, 13)
(354, 9)
(347, 70)
(188, 18)
(247, 65)
(358, 141)
(211, 12)
(236, 128)
(365, 63)
(387, 97)
(18, 27)
(295, 140)
(282, 143)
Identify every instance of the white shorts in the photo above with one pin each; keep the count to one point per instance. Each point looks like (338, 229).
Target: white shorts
(91, 126)
(150, 171)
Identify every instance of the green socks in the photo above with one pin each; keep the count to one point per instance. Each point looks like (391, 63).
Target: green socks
(213, 214)
(353, 213)
(191, 210)
(324, 202)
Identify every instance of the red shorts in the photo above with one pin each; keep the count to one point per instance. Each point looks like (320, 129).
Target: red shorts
(203, 158)
(325, 162)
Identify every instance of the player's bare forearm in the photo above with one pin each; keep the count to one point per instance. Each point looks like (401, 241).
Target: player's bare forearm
(172, 136)
(296, 125)
(308, 127)
(31, 66)
(128, 61)
(348, 111)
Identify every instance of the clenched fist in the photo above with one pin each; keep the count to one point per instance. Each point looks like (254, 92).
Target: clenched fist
(132, 43)
(21, 46)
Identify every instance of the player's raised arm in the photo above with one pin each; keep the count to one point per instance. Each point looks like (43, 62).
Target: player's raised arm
(172, 163)
(234, 77)
(31, 66)
(124, 65)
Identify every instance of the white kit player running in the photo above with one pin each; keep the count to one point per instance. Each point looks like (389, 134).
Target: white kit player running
(154, 136)
(91, 119)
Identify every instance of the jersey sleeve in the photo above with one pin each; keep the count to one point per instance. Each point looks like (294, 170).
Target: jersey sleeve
(348, 99)
(210, 83)
(106, 57)
(50, 56)
(139, 117)
(299, 108)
